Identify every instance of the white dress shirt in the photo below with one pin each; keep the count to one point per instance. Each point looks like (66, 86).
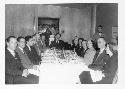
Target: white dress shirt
(29, 47)
(21, 49)
(101, 50)
(11, 51)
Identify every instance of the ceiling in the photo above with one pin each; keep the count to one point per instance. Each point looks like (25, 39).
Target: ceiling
(81, 5)
(74, 5)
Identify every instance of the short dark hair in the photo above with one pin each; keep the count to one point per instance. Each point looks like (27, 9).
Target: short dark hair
(80, 39)
(100, 26)
(8, 39)
(76, 36)
(85, 40)
(19, 38)
(27, 38)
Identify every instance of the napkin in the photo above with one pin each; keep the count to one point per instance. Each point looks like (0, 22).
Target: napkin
(34, 72)
(96, 75)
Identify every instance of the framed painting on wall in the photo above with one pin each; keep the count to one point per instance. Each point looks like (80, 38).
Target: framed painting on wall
(114, 32)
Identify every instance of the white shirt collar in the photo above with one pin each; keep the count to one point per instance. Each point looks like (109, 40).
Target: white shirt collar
(28, 47)
(20, 48)
(11, 51)
(101, 50)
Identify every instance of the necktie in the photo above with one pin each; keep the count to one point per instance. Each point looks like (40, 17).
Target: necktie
(23, 52)
(97, 56)
(14, 54)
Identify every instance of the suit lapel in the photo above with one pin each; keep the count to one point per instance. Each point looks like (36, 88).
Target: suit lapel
(27, 48)
(20, 51)
(12, 55)
(31, 48)
(16, 55)
(95, 57)
(100, 56)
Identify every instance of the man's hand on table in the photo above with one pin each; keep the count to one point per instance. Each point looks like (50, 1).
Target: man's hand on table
(25, 73)
(35, 67)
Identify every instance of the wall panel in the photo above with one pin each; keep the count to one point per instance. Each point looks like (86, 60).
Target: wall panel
(19, 19)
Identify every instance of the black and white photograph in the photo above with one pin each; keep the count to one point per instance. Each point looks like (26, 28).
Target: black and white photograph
(62, 43)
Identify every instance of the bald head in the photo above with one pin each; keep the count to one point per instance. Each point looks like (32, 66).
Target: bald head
(101, 43)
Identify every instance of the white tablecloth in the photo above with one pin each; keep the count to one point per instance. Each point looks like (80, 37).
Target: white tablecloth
(60, 73)
(54, 70)
(63, 73)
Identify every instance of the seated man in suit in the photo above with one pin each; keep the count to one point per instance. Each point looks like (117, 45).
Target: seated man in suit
(39, 44)
(43, 42)
(67, 46)
(31, 52)
(99, 62)
(111, 67)
(100, 58)
(14, 71)
(57, 43)
(22, 54)
(80, 47)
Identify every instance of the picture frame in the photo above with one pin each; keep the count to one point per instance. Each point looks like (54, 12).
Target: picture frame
(114, 31)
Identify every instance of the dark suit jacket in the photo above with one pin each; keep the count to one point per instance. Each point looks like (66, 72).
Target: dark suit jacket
(80, 50)
(24, 59)
(83, 51)
(13, 67)
(110, 70)
(75, 47)
(33, 56)
(99, 63)
(67, 46)
(59, 45)
(41, 46)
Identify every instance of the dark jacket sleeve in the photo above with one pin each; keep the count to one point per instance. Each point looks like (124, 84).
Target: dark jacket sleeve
(104, 61)
(112, 66)
(53, 44)
(100, 65)
(13, 66)
(36, 56)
